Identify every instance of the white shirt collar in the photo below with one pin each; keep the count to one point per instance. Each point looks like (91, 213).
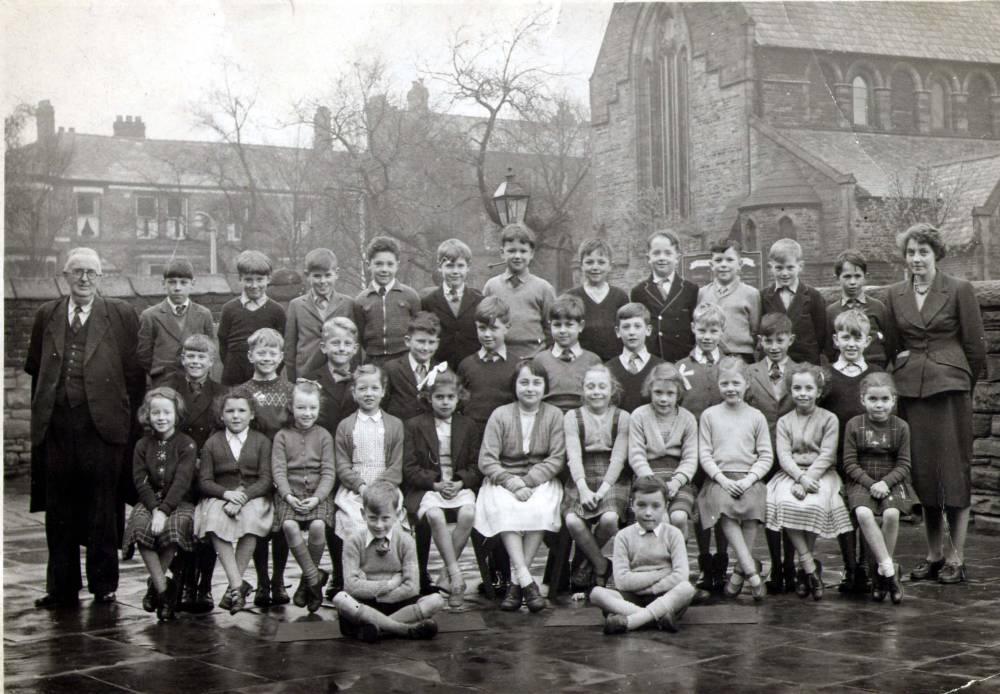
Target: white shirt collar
(241, 437)
(860, 299)
(369, 538)
(626, 356)
(447, 290)
(413, 364)
(781, 364)
(793, 287)
(725, 289)
(666, 281)
(501, 352)
(656, 531)
(443, 424)
(576, 350)
(377, 417)
(252, 304)
(84, 310)
(388, 288)
(841, 364)
(699, 356)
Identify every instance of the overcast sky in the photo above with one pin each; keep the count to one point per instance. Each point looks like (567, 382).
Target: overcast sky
(94, 60)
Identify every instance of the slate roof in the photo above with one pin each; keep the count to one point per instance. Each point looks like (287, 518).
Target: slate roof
(974, 180)
(786, 186)
(964, 31)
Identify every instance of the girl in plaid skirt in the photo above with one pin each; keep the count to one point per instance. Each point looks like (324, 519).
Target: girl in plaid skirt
(162, 468)
(877, 466)
(596, 451)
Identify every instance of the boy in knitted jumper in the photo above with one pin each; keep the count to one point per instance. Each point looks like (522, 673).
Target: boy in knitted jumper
(650, 568)
(381, 595)
(633, 365)
(567, 362)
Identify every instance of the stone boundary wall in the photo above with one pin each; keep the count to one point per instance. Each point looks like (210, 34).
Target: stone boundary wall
(23, 297)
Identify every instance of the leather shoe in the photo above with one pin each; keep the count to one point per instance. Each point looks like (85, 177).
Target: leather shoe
(262, 596)
(105, 598)
(369, 633)
(50, 601)
(927, 570)
(166, 603)
(615, 624)
(533, 598)
(203, 602)
(424, 630)
(668, 623)
(149, 599)
(816, 582)
(878, 587)
(314, 596)
(512, 600)
(301, 595)
(801, 584)
(894, 588)
(279, 596)
(953, 572)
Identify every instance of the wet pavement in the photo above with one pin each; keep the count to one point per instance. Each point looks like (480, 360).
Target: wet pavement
(940, 639)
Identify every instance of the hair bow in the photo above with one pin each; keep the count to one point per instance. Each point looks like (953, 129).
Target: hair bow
(432, 375)
(684, 371)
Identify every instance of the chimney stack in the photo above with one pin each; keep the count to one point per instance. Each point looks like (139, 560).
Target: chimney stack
(418, 96)
(322, 139)
(130, 127)
(45, 119)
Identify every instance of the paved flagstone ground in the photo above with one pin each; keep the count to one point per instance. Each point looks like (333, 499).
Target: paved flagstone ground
(940, 639)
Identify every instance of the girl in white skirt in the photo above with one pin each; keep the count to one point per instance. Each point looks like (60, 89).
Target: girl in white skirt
(804, 497)
(441, 474)
(734, 445)
(522, 453)
(235, 485)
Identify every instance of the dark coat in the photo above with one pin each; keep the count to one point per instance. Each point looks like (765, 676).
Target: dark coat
(458, 333)
(201, 419)
(672, 338)
(401, 393)
(808, 315)
(420, 456)
(942, 347)
(113, 380)
(336, 401)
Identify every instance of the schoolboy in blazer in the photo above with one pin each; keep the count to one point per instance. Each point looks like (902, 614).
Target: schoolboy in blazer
(807, 308)
(458, 318)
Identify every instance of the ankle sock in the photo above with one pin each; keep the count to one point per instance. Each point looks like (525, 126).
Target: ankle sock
(524, 578)
(807, 563)
(886, 568)
(754, 580)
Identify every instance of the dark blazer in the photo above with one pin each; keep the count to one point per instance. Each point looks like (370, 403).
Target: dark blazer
(220, 472)
(401, 393)
(672, 338)
(336, 401)
(420, 456)
(808, 315)
(113, 380)
(458, 333)
(201, 419)
(942, 346)
(760, 395)
(161, 337)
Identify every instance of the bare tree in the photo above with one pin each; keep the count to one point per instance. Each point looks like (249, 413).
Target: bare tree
(35, 209)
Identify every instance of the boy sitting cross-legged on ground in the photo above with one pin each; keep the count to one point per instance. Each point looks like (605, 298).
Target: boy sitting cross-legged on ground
(381, 593)
(650, 567)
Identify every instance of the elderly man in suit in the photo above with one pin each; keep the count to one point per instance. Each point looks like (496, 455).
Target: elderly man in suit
(86, 384)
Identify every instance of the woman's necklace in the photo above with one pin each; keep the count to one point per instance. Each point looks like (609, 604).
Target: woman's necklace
(921, 288)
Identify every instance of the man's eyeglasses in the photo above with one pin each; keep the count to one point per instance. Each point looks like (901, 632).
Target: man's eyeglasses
(79, 274)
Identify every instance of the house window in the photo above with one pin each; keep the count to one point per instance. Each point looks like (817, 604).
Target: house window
(786, 228)
(176, 227)
(88, 215)
(937, 106)
(860, 101)
(145, 217)
(233, 232)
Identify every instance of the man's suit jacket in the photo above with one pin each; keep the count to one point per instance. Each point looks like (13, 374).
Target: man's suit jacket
(336, 401)
(113, 380)
(458, 333)
(942, 345)
(760, 394)
(304, 332)
(201, 419)
(161, 337)
(421, 448)
(672, 338)
(401, 394)
(808, 315)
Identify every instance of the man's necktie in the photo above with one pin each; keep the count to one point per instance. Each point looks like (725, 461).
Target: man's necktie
(381, 292)
(381, 546)
(515, 281)
(179, 311)
(709, 359)
(775, 372)
(77, 320)
(566, 356)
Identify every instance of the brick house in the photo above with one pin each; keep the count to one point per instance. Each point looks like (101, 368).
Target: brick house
(800, 119)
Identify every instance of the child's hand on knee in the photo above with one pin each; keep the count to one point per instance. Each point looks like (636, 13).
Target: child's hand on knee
(524, 493)
(236, 496)
(732, 487)
(879, 490)
(232, 509)
(309, 504)
(798, 491)
(809, 484)
(158, 523)
(673, 486)
(588, 499)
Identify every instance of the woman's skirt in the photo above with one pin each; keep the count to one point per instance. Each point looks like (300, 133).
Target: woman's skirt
(283, 511)
(432, 499)
(498, 510)
(714, 502)
(940, 447)
(822, 512)
(255, 518)
(350, 513)
(595, 465)
(179, 529)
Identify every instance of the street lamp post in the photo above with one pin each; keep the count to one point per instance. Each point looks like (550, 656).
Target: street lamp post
(510, 200)
(205, 221)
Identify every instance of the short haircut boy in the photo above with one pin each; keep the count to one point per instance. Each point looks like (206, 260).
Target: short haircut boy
(709, 314)
(253, 263)
(785, 251)
(649, 484)
(594, 246)
(340, 323)
(723, 245)
(666, 234)
(567, 307)
(453, 250)
(517, 233)
(633, 309)
(849, 256)
(265, 337)
(200, 342)
(380, 495)
(775, 324)
(179, 269)
(320, 260)
(424, 322)
(853, 322)
(493, 309)
(382, 244)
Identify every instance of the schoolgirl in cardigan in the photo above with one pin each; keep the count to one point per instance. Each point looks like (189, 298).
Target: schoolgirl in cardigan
(163, 468)
(522, 453)
(877, 467)
(594, 497)
(303, 471)
(804, 498)
(235, 482)
(663, 441)
(441, 474)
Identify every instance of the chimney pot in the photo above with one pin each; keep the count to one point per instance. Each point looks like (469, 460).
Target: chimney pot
(72, 130)
(128, 119)
(62, 129)
(119, 119)
(45, 119)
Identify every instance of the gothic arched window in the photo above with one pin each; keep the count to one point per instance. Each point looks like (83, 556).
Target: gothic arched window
(749, 241)
(903, 100)
(980, 124)
(786, 229)
(860, 101)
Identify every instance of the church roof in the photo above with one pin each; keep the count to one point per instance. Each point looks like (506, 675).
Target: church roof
(785, 186)
(964, 31)
(973, 181)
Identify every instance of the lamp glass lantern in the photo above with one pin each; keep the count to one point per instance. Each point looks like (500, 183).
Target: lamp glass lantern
(511, 200)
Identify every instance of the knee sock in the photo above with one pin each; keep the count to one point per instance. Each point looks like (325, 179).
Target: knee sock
(774, 549)
(260, 561)
(611, 601)
(301, 554)
(354, 611)
(205, 557)
(316, 554)
(523, 576)
(848, 550)
(807, 563)
(424, 608)
(640, 618)
(674, 601)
